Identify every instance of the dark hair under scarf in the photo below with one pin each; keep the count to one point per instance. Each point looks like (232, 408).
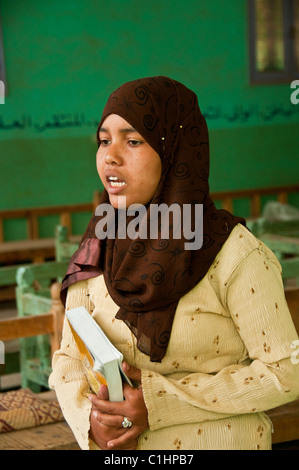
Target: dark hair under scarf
(147, 277)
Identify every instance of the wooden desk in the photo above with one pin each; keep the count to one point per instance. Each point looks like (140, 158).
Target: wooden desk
(24, 250)
(30, 250)
(285, 421)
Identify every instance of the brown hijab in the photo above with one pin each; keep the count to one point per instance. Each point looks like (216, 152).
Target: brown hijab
(147, 277)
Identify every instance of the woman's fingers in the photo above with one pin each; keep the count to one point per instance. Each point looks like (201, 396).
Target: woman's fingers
(108, 419)
(108, 416)
(103, 393)
(132, 372)
(108, 429)
(106, 406)
(124, 441)
(101, 433)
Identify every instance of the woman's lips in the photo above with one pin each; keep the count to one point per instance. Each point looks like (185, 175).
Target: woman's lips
(115, 184)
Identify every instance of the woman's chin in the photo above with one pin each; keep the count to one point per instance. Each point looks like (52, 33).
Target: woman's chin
(118, 202)
(123, 201)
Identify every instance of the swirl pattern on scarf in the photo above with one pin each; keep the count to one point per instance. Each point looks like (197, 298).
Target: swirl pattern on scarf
(147, 277)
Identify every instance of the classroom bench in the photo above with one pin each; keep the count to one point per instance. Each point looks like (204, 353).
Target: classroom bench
(53, 436)
(34, 248)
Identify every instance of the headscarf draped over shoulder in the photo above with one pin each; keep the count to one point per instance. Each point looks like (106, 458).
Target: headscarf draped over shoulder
(147, 277)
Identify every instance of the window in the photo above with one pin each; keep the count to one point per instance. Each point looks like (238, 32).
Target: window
(274, 40)
(2, 69)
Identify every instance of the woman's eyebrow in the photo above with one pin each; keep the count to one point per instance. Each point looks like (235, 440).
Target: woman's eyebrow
(124, 130)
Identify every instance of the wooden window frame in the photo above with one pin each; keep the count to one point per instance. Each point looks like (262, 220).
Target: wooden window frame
(289, 73)
(2, 63)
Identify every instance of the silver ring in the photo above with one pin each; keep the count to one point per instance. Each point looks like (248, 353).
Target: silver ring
(126, 423)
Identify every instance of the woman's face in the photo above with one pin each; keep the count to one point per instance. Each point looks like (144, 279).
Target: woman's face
(127, 165)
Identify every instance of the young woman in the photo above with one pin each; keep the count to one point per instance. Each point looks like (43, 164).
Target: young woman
(205, 332)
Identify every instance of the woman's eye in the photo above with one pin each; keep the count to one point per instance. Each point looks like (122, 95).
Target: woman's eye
(104, 142)
(135, 143)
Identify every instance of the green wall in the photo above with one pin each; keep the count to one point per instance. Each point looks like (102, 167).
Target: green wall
(64, 58)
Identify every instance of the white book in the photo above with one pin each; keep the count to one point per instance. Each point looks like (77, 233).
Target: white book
(101, 358)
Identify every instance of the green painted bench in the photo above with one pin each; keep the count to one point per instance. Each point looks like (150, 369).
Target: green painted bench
(261, 226)
(278, 228)
(287, 251)
(64, 246)
(9, 370)
(37, 293)
(8, 282)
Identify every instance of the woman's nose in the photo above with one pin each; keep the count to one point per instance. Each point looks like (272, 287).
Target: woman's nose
(113, 155)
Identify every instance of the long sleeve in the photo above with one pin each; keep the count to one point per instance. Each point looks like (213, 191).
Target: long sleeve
(254, 297)
(68, 376)
(229, 356)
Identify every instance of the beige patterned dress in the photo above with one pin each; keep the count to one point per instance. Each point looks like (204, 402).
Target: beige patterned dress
(228, 358)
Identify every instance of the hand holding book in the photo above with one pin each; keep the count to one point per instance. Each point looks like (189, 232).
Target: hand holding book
(111, 381)
(107, 416)
(101, 359)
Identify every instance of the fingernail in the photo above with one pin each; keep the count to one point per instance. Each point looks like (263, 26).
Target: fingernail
(110, 445)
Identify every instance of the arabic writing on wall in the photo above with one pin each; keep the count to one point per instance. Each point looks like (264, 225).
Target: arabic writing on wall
(58, 121)
(238, 114)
